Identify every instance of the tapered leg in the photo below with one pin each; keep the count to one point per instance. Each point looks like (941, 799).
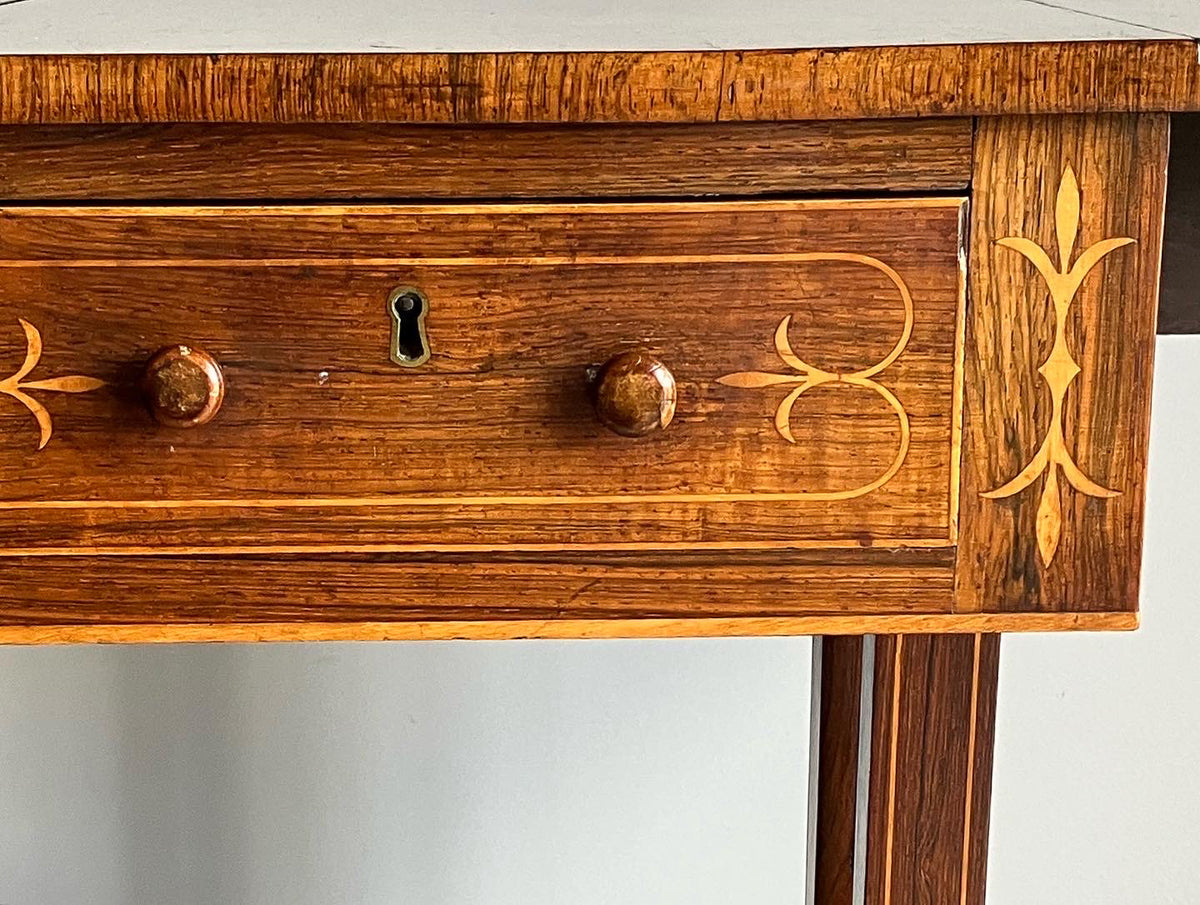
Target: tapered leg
(925, 777)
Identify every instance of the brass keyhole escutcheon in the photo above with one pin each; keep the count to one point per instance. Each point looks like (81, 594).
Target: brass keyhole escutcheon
(410, 346)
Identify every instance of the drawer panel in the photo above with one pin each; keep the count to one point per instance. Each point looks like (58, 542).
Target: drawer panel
(814, 345)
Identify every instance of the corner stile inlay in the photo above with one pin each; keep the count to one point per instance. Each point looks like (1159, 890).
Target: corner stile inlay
(13, 386)
(808, 377)
(1059, 369)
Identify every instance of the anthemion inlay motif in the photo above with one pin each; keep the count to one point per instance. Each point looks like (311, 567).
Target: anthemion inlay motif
(15, 387)
(1060, 369)
(808, 377)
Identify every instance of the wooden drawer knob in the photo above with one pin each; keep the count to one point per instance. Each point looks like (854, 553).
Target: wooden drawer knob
(183, 386)
(634, 394)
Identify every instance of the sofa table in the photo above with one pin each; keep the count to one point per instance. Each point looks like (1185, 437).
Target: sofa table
(854, 343)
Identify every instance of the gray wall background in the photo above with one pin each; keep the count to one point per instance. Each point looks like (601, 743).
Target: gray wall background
(515, 773)
(538, 773)
(1096, 793)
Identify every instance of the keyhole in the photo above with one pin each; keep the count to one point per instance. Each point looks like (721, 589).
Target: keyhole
(407, 307)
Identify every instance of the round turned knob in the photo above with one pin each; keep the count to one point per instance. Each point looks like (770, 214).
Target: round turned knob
(183, 386)
(635, 394)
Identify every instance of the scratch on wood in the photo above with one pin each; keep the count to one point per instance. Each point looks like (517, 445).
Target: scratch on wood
(721, 87)
(580, 591)
(1091, 15)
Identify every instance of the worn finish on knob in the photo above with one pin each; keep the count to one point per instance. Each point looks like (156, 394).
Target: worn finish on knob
(635, 394)
(183, 385)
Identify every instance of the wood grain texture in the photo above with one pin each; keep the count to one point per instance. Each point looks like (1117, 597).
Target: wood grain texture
(323, 443)
(386, 161)
(978, 79)
(1055, 541)
(668, 86)
(932, 743)
(837, 769)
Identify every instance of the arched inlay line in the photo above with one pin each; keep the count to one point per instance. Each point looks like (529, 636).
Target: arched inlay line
(808, 377)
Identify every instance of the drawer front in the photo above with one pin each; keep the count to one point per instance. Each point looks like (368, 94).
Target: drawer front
(815, 348)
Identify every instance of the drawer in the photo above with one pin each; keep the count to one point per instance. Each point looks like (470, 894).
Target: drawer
(814, 349)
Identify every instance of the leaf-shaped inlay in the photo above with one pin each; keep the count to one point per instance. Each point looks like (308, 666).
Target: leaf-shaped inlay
(753, 379)
(1066, 217)
(76, 383)
(18, 390)
(33, 350)
(1049, 517)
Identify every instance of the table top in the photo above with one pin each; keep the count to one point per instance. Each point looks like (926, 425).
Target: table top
(460, 26)
(1161, 75)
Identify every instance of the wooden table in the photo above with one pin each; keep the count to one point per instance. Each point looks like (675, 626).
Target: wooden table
(873, 329)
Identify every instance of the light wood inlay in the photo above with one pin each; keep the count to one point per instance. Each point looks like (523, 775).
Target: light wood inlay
(17, 387)
(566, 628)
(809, 377)
(893, 756)
(1060, 369)
(969, 797)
